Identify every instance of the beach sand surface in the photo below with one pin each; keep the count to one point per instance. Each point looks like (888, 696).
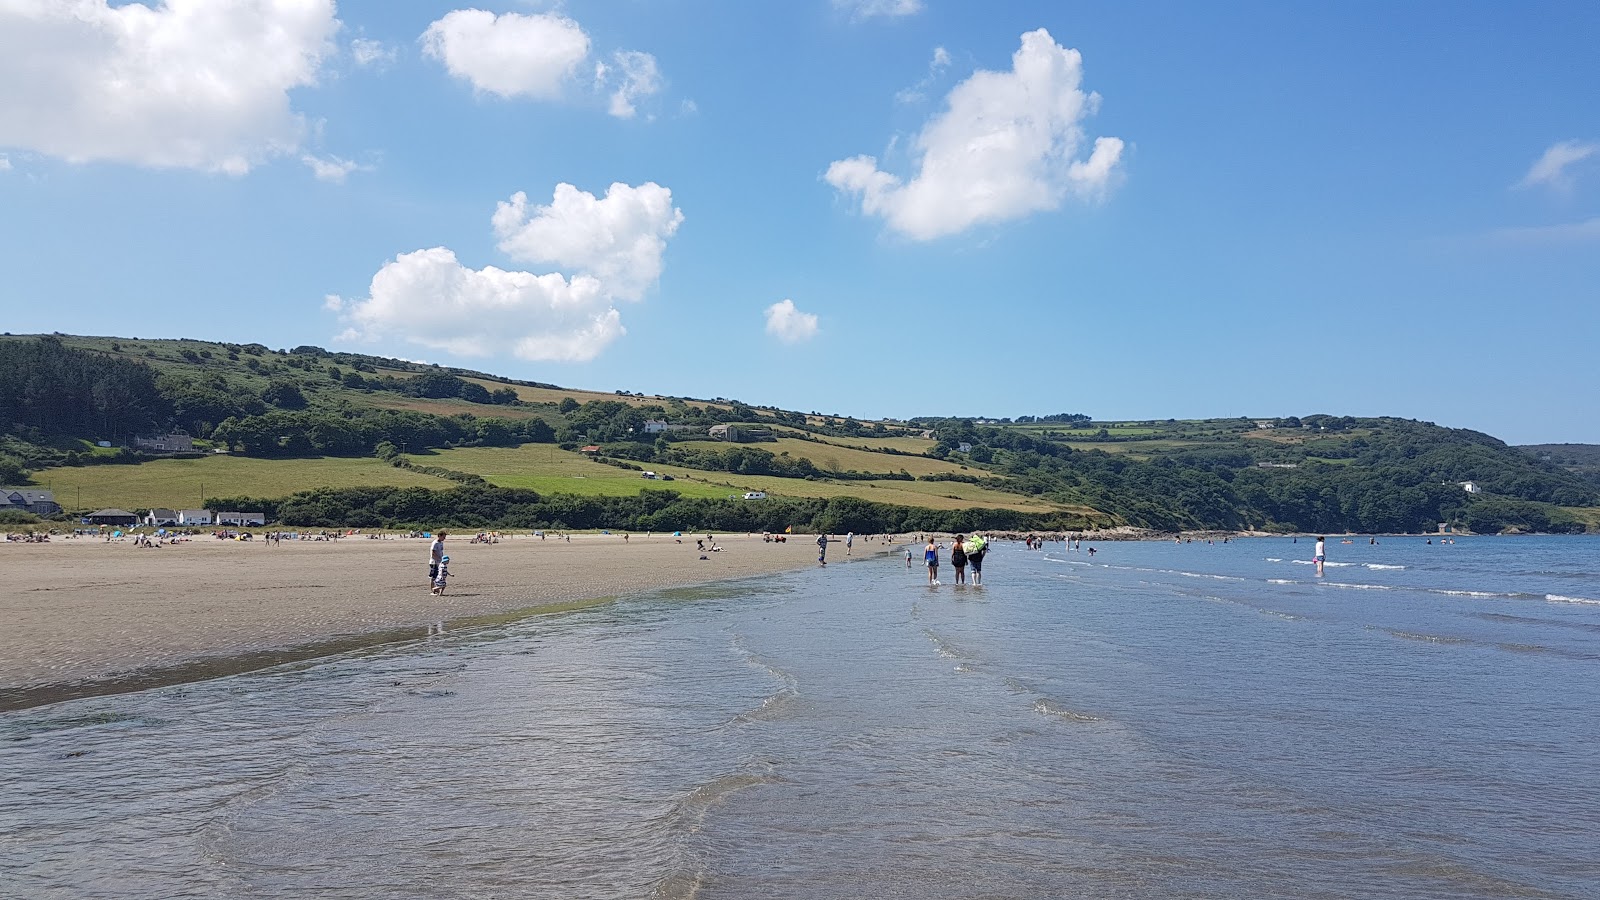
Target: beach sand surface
(101, 617)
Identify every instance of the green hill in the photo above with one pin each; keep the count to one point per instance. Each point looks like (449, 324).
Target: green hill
(267, 423)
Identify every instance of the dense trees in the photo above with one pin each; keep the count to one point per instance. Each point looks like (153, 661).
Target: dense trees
(48, 386)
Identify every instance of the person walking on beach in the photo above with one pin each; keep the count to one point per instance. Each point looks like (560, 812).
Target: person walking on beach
(435, 554)
(822, 549)
(930, 555)
(958, 559)
(1319, 556)
(976, 548)
(849, 541)
(908, 557)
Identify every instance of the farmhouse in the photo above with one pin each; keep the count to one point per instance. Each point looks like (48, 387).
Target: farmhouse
(165, 443)
(657, 426)
(741, 434)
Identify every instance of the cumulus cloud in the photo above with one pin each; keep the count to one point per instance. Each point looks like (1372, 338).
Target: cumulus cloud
(867, 9)
(367, 52)
(199, 84)
(612, 247)
(510, 55)
(427, 297)
(636, 75)
(618, 239)
(536, 56)
(790, 325)
(332, 169)
(1006, 146)
(1550, 169)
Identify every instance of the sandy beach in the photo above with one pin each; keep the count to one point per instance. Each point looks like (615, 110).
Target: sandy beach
(83, 616)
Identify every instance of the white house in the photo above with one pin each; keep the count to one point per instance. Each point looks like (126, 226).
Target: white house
(194, 517)
(1470, 487)
(165, 443)
(234, 517)
(161, 517)
(755, 495)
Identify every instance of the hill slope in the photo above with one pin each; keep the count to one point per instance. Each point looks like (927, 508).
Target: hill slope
(307, 418)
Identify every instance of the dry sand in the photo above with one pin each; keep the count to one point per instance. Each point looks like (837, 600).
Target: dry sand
(83, 616)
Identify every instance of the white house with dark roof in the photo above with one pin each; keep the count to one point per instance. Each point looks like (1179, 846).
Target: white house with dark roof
(235, 517)
(194, 517)
(161, 517)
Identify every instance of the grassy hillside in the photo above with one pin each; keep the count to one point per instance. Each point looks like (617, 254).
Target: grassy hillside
(305, 417)
(182, 483)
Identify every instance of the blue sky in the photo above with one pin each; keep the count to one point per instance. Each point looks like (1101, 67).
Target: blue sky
(1127, 210)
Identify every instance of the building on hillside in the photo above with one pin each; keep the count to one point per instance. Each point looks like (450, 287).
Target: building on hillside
(194, 517)
(1470, 487)
(40, 503)
(165, 443)
(927, 435)
(741, 434)
(234, 517)
(161, 518)
(592, 448)
(963, 447)
(112, 516)
(657, 426)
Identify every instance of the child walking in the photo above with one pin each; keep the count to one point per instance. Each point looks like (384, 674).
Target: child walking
(442, 576)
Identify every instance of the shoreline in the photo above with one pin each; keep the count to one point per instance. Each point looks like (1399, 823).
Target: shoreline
(89, 618)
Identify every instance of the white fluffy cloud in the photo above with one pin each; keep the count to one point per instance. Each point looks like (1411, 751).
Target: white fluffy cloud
(618, 239)
(790, 325)
(201, 84)
(1006, 146)
(867, 9)
(510, 55)
(1551, 168)
(427, 297)
(612, 247)
(637, 76)
(367, 52)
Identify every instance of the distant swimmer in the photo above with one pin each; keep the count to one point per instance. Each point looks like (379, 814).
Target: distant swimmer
(1320, 555)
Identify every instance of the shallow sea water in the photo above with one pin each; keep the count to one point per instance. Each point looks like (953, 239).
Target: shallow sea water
(1158, 721)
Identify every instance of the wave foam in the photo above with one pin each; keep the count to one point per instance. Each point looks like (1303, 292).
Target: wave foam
(1381, 566)
(1558, 598)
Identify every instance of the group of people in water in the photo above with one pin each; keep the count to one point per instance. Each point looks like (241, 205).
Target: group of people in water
(964, 552)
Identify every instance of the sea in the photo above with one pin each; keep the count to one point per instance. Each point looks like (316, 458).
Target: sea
(1154, 720)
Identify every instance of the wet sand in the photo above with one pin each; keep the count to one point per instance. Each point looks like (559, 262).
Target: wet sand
(84, 617)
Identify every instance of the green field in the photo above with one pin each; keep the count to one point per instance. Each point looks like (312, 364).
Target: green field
(548, 469)
(179, 483)
(551, 470)
(902, 443)
(832, 457)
